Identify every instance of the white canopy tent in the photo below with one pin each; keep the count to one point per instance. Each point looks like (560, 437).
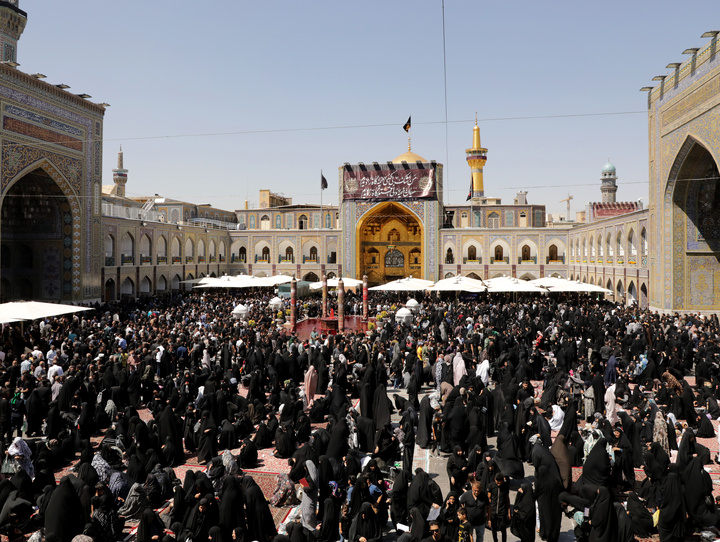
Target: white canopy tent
(457, 284)
(511, 284)
(234, 281)
(407, 284)
(559, 284)
(16, 311)
(333, 283)
(278, 279)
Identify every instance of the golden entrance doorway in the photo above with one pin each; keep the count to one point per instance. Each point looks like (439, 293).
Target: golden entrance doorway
(390, 242)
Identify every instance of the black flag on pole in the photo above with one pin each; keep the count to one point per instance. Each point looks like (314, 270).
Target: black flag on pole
(471, 189)
(407, 125)
(323, 182)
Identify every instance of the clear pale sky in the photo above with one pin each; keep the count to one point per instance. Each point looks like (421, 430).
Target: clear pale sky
(304, 86)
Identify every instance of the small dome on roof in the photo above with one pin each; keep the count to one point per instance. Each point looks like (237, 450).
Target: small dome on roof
(608, 168)
(409, 157)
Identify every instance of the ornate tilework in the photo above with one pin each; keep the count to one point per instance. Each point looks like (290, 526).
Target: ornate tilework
(16, 158)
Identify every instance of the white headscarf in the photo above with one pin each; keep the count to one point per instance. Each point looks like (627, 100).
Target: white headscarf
(20, 447)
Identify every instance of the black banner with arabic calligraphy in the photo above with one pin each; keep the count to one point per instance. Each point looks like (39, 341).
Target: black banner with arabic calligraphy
(395, 182)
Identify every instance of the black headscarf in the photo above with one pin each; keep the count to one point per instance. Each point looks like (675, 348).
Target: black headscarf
(61, 514)
(522, 523)
(365, 525)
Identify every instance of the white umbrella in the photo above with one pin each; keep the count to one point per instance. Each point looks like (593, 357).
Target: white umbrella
(237, 281)
(511, 284)
(591, 288)
(333, 283)
(408, 284)
(559, 284)
(32, 310)
(240, 311)
(458, 284)
(403, 316)
(556, 284)
(278, 279)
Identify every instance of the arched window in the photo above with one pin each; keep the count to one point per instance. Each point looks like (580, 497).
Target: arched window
(289, 254)
(415, 256)
(303, 222)
(592, 247)
(162, 248)
(313, 254)
(373, 255)
(109, 251)
(643, 242)
(620, 246)
(632, 249)
(127, 249)
(242, 255)
(609, 244)
(265, 222)
(493, 220)
(472, 253)
(585, 248)
(265, 254)
(498, 253)
(449, 256)
(600, 246)
(189, 250)
(526, 252)
(393, 236)
(201, 250)
(553, 253)
(394, 258)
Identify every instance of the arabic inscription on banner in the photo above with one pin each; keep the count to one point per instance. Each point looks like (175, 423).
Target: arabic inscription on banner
(389, 184)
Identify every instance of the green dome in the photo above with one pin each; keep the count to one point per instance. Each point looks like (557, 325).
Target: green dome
(608, 168)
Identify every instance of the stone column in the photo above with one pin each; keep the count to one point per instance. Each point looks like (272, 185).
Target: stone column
(293, 305)
(324, 297)
(365, 298)
(341, 305)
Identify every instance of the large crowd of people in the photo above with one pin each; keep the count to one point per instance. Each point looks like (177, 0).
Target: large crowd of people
(560, 401)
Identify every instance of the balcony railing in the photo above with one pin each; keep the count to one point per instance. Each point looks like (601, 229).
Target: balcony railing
(176, 259)
(109, 261)
(449, 261)
(161, 260)
(189, 259)
(262, 259)
(145, 259)
(532, 260)
(506, 259)
(620, 260)
(222, 257)
(286, 259)
(472, 262)
(201, 259)
(127, 260)
(557, 259)
(212, 259)
(236, 258)
(310, 259)
(609, 260)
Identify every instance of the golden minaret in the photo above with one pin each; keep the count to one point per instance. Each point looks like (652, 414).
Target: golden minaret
(476, 158)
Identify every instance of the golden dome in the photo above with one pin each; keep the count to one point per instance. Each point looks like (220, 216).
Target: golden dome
(409, 157)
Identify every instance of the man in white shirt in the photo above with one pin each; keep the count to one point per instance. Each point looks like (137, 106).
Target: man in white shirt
(54, 370)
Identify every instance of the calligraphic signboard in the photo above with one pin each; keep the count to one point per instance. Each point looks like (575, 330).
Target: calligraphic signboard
(389, 182)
